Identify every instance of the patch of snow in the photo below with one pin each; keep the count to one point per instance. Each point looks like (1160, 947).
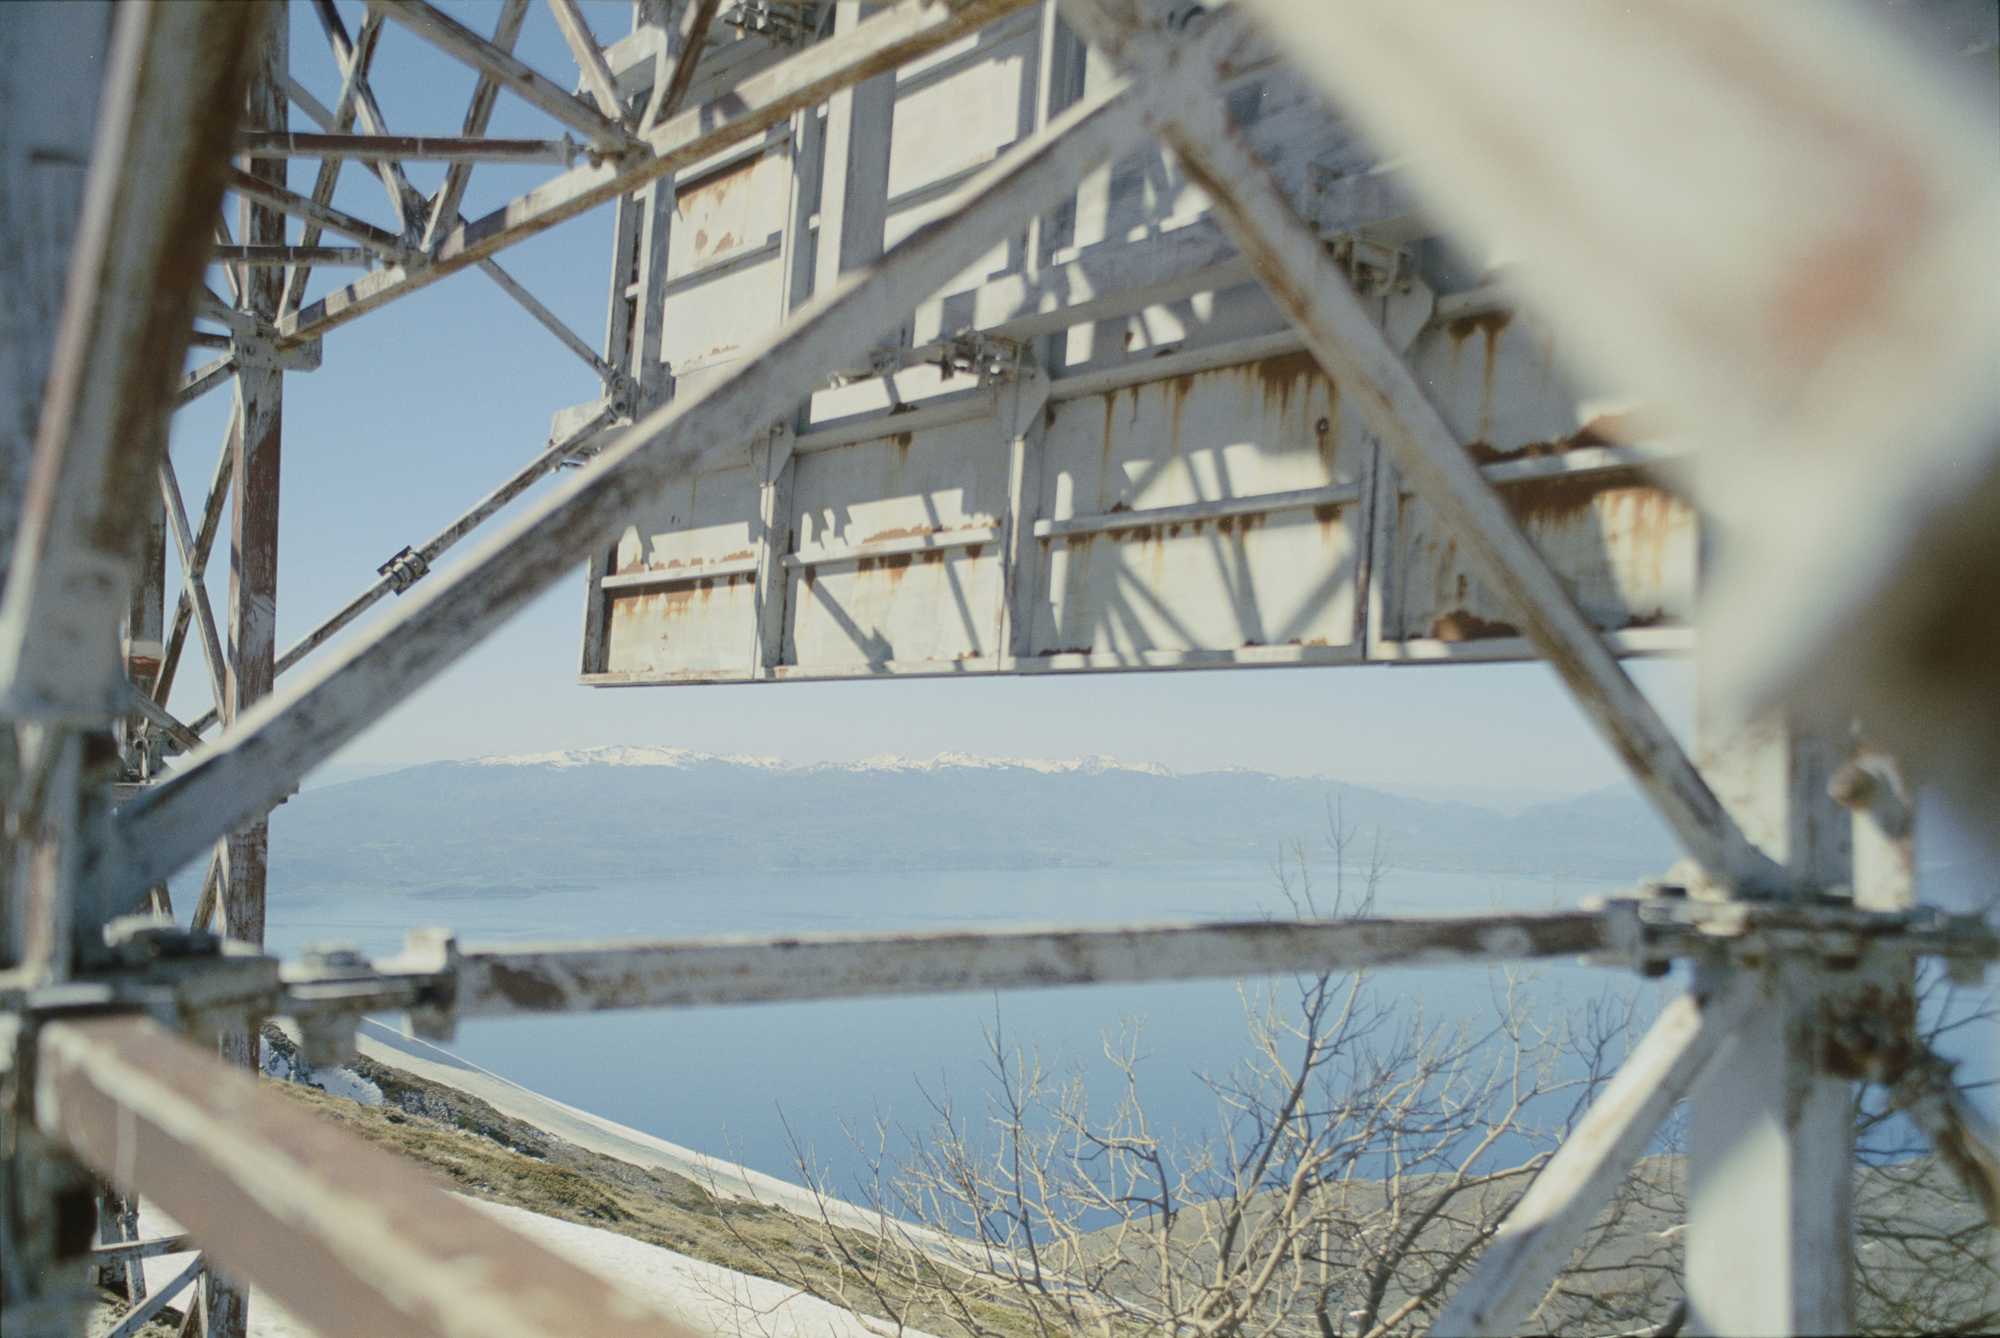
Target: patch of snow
(705, 1296)
(624, 755)
(710, 1298)
(334, 1080)
(664, 755)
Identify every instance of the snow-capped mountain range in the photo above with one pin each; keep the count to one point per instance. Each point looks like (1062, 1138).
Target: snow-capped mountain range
(664, 755)
(645, 812)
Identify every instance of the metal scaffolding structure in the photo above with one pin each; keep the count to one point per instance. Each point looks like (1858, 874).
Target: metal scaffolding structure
(1824, 304)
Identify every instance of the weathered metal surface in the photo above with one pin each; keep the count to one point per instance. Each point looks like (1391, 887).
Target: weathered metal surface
(406, 148)
(259, 758)
(1187, 513)
(1346, 340)
(460, 42)
(348, 1237)
(583, 978)
(769, 98)
(176, 76)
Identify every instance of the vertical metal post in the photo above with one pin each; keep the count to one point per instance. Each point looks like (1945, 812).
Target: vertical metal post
(854, 171)
(1023, 414)
(253, 566)
(776, 463)
(50, 63)
(1771, 1135)
(145, 636)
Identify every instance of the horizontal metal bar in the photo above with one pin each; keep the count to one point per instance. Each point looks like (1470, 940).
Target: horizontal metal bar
(891, 38)
(537, 979)
(941, 411)
(210, 339)
(1234, 353)
(1578, 460)
(262, 755)
(378, 240)
(698, 571)
(915, 543)
(1624, 642)
(351, 1239)
(271, 256)
(127, 1250)
(408, 148)
(1300, 499)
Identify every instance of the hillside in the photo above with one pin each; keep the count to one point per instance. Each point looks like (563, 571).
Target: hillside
(622, 813)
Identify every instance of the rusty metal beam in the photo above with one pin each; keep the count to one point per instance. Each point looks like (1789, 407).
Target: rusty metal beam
(890, 39)
(469, 148)
(461, 43)
(174, 81)
(351, 1239)
(260, 758)
(1317, 297)
(582, 978)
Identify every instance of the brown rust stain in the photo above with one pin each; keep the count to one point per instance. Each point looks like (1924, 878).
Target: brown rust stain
(1612, 429)
(974, 550)
(905, 532)
(1462, 625)
(1561, 499)
(1280, 376)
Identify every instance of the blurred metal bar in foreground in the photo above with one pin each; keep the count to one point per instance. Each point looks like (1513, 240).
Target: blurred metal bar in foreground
(351, 1239)
(586, 978)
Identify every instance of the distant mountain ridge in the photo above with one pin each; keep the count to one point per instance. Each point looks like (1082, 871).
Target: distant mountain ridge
(627, 812)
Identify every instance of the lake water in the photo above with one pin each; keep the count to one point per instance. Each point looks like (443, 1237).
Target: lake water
(726, 1081)
(719, 1079)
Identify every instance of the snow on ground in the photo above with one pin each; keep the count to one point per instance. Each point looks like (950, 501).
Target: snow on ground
(708, 1297)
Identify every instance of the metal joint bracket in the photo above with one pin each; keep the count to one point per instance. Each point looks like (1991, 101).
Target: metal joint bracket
(255, 351)
(991, 358)
(404, 569)
(780, 22)
(1376, 270)
(1660, 923)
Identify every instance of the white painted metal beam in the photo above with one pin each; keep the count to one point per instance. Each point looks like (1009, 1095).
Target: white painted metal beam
(174, 82)
(533, 978)
(460, 42)
(889, 39)
(1317, 297)
(259, 759)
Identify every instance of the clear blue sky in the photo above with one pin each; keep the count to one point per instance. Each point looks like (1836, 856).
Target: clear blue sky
(421, 407)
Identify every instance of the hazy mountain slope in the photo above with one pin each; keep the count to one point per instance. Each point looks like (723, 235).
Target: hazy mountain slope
(636, 813)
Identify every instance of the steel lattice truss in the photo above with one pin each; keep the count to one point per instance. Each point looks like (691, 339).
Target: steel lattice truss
(1830, 240)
